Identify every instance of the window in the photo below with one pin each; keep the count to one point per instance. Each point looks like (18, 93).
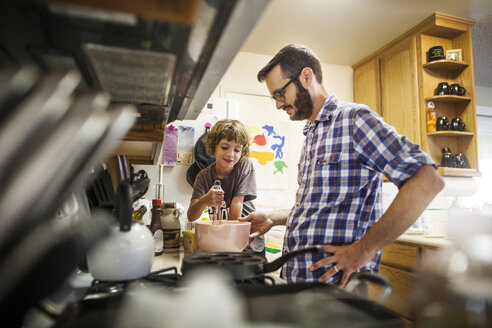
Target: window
(484, 182)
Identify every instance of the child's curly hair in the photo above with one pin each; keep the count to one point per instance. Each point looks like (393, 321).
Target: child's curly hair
(229, 130)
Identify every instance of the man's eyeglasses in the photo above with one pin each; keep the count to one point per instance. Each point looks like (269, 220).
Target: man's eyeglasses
(279, 94)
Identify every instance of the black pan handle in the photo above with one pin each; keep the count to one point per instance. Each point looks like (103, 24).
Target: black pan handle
(272, 266)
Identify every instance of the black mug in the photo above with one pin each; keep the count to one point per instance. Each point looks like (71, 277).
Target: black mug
(447, 159)
(456, 89)
(442, 89)
(435, 53)
(460, 161)
(457, 124)
(442, 124)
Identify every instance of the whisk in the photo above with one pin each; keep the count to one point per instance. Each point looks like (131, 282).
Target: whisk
(217, 217)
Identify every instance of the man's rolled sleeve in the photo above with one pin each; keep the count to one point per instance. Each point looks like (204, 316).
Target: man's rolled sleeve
(383, 149)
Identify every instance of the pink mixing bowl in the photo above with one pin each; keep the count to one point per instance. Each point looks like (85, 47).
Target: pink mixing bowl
(229, 236)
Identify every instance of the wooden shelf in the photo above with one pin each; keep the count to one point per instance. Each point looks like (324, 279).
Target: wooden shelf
(443, 32)
(454, 172)
(451, 134)
(449, 98)
(445, 26)
(397, 80)
(448, 65)
(150, 136)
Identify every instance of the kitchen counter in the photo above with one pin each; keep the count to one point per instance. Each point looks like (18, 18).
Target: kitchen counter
(423, 240)
(166, 260)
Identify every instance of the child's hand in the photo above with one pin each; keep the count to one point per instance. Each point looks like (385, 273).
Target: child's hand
(214, 197)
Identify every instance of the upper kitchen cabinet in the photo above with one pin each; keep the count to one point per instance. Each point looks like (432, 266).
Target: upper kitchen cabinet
(406, 81)
(164, 57)
(399, 91)
(366, 85)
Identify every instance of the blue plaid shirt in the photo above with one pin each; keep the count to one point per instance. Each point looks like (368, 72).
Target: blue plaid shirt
(346, 150)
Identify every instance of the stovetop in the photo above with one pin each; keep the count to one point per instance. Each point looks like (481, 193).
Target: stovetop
(170, 297)
(167, 294)
(102, 299)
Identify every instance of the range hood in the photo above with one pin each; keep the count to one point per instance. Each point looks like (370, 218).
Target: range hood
(165, 57)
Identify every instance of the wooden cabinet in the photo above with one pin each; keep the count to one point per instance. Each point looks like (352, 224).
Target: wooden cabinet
(366, 85)
(399, 262)
(400, 299)
(399, 91)
(399, 82)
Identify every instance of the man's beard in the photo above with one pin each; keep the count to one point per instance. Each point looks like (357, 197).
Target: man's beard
(303, 104)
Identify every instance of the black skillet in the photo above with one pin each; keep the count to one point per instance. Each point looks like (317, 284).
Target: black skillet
(242, 265)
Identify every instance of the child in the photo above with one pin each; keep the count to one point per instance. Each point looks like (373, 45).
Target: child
(229, 142)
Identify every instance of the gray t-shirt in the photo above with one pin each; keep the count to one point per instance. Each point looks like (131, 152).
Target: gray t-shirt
(241, 182)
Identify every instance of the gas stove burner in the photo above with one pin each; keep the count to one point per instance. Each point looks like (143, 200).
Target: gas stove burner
(106, 287)
(165, 277)
(169, 277)
(100, 289)
(160, 272)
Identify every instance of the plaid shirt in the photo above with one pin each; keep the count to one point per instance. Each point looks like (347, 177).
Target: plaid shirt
(346, 150)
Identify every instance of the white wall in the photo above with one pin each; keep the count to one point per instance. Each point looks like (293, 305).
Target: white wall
(483, 97)
(483, 100)
(240, 79)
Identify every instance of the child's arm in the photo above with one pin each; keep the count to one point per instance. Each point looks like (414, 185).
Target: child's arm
(236, 207)
(213, 197)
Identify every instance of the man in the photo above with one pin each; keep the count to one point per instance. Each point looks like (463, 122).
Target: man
(346, 151)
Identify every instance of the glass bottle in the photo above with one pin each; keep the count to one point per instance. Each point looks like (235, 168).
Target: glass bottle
(431, 117)
(171, 227)
(156, 227)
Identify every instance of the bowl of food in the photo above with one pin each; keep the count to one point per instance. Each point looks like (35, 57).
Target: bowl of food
(226, 236)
